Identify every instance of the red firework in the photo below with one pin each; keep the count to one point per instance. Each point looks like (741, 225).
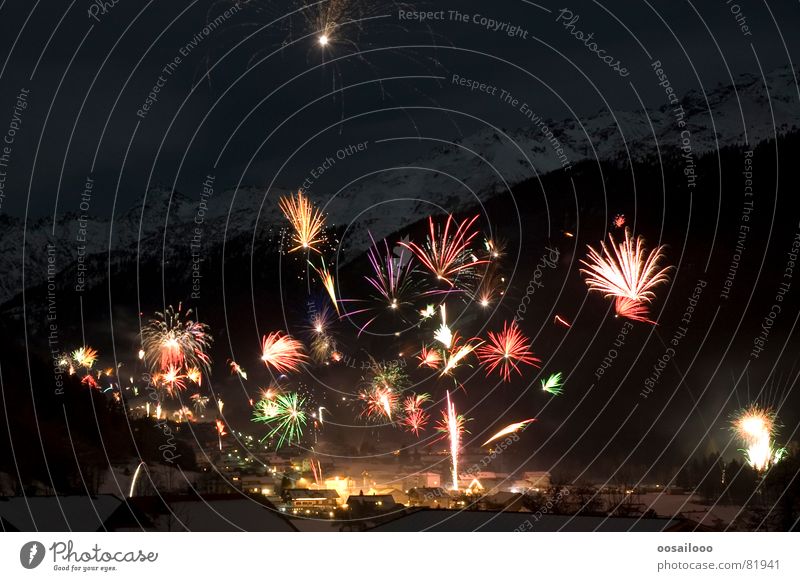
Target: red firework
(506, 350)
(89, 380)
(415, 418)
(447, 254)
(633, 310)
(282, 352)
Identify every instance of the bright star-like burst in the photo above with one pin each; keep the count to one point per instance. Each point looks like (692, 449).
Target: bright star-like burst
(626, 270)
(286, 416)
(506, 350)
(307, 222)
(282, 352)
(447, 252)
(173, 339)
(552, 384)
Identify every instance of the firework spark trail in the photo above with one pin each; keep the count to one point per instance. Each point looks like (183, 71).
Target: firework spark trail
(628, 272)
(489, 289)
(562, 321)
(447, 254)
(458, 353)
(415, 418)
(307, 222)
(454, 431)
(174, 340)
(238, 370)
(327, 281)
(285, 415)
(509, 429)
(506, 350)
(282, 352)
(552, 384)
(220, 432)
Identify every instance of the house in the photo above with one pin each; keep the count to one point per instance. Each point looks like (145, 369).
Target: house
(315, 500)
(362, 505)
(431, 497)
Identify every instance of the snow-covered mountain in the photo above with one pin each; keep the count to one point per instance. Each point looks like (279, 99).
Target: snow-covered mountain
(485, 162)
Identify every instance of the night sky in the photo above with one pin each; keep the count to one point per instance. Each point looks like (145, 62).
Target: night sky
(245, 92)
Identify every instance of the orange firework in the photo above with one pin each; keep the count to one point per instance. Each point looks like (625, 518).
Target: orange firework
(327, 281)
(379, 402)
(429, 357)
(282, 352)
(193, 374)
(308, 222)
(172, 379)
(619, 220)
(506, 350)
(85, 357)
(509, 429)
(458, 352)
(447, 253)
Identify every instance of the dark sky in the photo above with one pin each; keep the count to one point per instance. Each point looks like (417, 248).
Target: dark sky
(259, 101)
(88, 79)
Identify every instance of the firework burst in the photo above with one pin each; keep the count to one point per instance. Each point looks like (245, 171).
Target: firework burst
(173, 339)
(171, 379)
(85, 357)
(379, 403)
(307, 222)
(552, 384)
(282, 352)
(506, 351)
(626, 270)
(447, 252)
(429, 357)
(193, 374)
(392, 284)
(756, 427)
(632, 309)
(199, 403)
(415, 418)
(285, 416)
